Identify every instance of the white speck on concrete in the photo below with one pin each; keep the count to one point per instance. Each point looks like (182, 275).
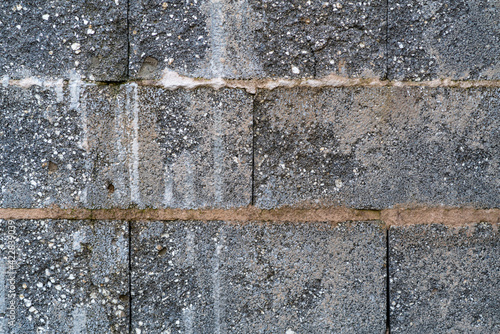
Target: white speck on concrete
(295, 70)
(76, 47)
(45, 16)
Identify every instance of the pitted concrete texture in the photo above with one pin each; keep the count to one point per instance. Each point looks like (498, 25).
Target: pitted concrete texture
(257, 39)
(456, 39)
(42, 155)
(57, 37)
(69, 277)
(119, 146)
(192, 149)
(377, 147)
(444, 279)
(219, 277)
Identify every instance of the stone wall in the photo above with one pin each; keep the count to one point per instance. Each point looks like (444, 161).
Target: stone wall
(249, 166)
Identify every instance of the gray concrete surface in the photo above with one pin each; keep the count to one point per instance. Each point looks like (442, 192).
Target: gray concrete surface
(68, 276)
(444, 279)
(57, 38)
(104, 146)
(220, 277)
(42, 154)
(377, 147)
(194, 148)
(456, 39)
(256, 39)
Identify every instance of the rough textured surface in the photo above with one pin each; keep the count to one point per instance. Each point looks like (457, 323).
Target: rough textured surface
(193, 148)
(107, 121)
(54, 38)
(377, 147)
(316, 38)
(262, 278)
(444, 280)
(105, 146)
(72, 276)
(455, 39)
(249, 39)
(42, 156)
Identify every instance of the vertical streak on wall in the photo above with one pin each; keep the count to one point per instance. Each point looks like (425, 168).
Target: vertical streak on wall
(187, 318)
(189, 182)
(75, 85)
(218, 155)
(169, 187)
(5, 81)
(216, 282)
(58, 89)
(217, 38)
(120, 186)
(79, 320)
(133, 111)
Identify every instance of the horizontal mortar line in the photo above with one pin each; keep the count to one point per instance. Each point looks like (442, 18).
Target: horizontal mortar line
(392, 217)
(172, 81)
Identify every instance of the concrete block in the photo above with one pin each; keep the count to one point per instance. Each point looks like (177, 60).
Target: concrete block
(456, 39)
(63, 144)
(55, 38)
(190, 149)
(67, 276)
(444, 279)
(255, 39)
(317, 38)
(377, 147)
(221, 277)
(42, 155)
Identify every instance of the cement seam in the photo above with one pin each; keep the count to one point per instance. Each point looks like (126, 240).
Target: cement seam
(391, 217)
(252, 85)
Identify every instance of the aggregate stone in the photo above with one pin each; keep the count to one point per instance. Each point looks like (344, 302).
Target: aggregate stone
(42, 158)
(222, 277)
(69, 276)
(190, 149)
(444, 279)
(57, 37)
(255, 39)
(377, 147)
(454, 39)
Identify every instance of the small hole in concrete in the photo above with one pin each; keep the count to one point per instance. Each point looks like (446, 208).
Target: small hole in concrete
(123, 298)
(162, 251)
(53, 167)
(111, 188)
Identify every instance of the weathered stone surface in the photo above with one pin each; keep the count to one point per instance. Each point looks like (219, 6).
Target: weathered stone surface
(255, 39)
(65, 145)
(455, 39)
(71, 276)
(105, 146)
(219, 277)
(191, 149)
(42, 159)
(57, 37)
(377, 147)
(108, 123)
(317, 38)
(444, 279)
